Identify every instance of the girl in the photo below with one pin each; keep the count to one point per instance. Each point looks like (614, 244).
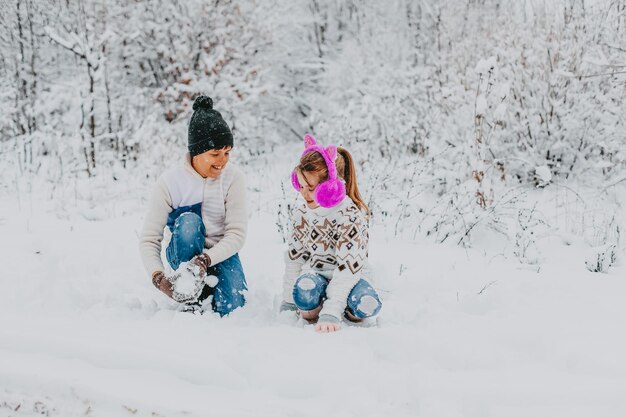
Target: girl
(326, 263)
(202, 202)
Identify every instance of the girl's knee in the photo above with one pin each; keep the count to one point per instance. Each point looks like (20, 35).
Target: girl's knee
(363, 300)
(308, 291)
(367, 306)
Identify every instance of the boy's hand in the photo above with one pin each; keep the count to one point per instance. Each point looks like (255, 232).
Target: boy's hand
(202, 262)
(166, 286)
(163, 284)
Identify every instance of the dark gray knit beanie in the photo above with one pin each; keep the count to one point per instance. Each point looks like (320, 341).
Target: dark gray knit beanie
(207, 129)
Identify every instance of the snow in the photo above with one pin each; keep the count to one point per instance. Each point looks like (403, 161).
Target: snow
(211, 280)
(367, 305)
(525, 320)
(600, 259)
(306, 284)
(187, 282)
(481, 105)
(462, 332)
(544, 175)
(486, 65)
(500, 111)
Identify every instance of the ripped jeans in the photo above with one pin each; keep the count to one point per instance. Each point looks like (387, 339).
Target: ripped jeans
(363, 301)
(188, 241)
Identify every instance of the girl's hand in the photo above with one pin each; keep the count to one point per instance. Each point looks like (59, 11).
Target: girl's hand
(327, 324)
(327, 327)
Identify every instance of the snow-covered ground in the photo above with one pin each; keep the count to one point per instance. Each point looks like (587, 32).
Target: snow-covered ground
(463, 332)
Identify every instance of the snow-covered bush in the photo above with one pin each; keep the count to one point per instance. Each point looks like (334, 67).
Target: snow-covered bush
(447, 107)
(600, 259)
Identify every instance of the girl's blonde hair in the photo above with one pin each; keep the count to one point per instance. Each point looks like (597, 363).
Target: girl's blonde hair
(314, 162)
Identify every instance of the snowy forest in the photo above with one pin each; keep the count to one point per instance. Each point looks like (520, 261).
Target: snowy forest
(490, 142)
(449, 105)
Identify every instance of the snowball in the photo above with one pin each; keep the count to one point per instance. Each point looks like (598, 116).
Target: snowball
(211, 281)
(187, 283)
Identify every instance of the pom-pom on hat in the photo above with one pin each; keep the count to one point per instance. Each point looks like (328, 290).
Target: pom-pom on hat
(207, 129)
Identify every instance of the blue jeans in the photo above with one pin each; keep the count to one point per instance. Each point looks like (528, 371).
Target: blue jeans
(362, 302)
(188, 241)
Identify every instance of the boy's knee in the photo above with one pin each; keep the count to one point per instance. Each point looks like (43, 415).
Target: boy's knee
(188, 225)
(308, 291)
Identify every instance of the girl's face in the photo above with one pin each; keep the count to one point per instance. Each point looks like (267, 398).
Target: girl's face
(211, 163)
(308, 183)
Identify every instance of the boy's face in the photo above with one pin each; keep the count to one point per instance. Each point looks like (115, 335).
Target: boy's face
(211, 163)
(308, 183)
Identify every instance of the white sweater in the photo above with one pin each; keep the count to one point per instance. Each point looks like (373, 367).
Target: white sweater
(333, 243)
(221, 202)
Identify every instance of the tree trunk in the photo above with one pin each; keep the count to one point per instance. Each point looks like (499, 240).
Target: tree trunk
(92, 116)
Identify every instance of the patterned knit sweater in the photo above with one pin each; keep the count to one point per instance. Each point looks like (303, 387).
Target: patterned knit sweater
(332, 242)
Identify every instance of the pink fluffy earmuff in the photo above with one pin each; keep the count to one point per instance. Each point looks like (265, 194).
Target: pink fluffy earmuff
(328, 193)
